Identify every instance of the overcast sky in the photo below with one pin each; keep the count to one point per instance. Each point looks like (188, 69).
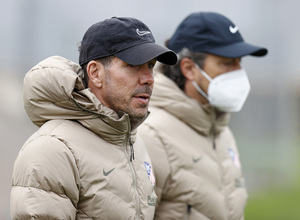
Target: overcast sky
(34, 29)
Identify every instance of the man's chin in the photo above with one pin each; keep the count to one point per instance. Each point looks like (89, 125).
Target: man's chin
(139, 115)
(139, 112)
(137, 119)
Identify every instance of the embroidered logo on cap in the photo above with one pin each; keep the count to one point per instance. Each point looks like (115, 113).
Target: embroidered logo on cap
(233, 30)
(142, 33)
(150, 173)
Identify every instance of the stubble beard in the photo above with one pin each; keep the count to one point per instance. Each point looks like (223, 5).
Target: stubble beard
(121, 106)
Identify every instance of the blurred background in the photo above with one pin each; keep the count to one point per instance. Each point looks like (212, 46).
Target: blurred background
(267, 129)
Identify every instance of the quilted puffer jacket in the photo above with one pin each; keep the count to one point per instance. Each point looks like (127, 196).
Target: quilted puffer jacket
(79, 164)
(195, 158)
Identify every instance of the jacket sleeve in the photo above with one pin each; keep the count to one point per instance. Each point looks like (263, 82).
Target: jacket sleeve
(159, 159)
(45, 181)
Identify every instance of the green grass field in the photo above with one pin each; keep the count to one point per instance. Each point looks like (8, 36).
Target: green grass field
(275, 204)
(284, 205)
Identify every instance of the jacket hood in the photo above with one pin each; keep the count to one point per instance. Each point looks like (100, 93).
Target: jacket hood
(53, 89)
(202, 118)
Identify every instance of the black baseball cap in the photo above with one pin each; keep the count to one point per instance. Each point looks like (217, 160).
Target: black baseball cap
(126, 38)
(213, 33)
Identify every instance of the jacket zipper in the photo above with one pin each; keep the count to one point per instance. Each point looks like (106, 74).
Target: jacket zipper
(188, 212)
(131, 150)
(130, 158)
(219, 164)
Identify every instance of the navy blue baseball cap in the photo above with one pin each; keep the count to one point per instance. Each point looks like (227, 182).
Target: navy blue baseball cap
(126, 38)
(213, 33)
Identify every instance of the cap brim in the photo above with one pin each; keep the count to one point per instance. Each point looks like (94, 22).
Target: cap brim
(146, 52)
(238, 49)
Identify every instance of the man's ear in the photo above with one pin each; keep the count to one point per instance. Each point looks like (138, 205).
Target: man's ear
(188, 68)
(95, 72)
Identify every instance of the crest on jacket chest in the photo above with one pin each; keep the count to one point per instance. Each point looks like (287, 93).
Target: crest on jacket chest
(235, 157)
(150, 173)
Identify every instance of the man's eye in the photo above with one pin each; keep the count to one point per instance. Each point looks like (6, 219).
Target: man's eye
(228, 62)
(151, 65)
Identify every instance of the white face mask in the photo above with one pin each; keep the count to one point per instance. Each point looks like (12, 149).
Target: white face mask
(226, 92)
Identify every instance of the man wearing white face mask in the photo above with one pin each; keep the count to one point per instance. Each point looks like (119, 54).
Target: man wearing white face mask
(193, 151)
(228, 91)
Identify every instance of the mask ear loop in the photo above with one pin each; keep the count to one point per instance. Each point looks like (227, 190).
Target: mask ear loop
(197, 86)
(204, 73)
(200, 90)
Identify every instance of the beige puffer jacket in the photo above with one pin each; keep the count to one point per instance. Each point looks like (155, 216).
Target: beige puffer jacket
(77, 165)
(195, 158)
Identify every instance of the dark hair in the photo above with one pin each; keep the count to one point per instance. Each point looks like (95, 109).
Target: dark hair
(174, 72)
(105, 61)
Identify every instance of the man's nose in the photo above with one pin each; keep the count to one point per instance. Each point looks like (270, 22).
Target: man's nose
(237, 64)
(147, 76)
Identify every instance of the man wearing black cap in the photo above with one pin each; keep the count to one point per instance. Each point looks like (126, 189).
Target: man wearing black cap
(194, 154)
(86, 161)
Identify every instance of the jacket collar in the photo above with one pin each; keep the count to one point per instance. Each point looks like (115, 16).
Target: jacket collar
(202, 118)
(53, 89)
